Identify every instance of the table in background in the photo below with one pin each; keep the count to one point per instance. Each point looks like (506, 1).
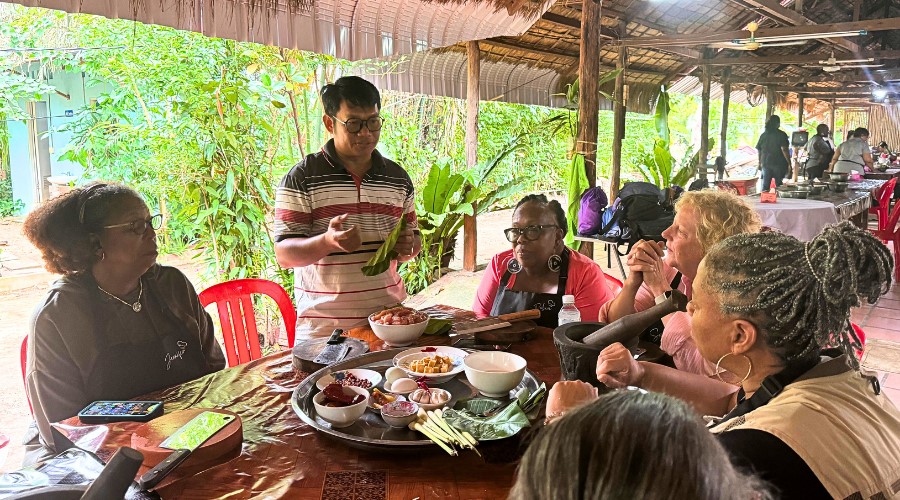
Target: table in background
(611, 249)
(282, 457)
(886, 175)
(804, 219)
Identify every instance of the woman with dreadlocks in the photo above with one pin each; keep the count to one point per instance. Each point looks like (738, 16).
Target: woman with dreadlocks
(805, 419)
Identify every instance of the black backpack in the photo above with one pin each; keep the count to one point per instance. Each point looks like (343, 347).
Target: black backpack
(639, 213)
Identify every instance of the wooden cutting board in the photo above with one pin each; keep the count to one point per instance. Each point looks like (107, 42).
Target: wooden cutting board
(147, 438)
(516, 332)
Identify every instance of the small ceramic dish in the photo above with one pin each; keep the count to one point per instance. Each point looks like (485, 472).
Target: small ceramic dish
(373, 377)
(456, 366)
(443, 396)
(399, 413)
(374, 406)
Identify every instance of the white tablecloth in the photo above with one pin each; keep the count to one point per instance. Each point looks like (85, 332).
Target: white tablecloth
(803, 219)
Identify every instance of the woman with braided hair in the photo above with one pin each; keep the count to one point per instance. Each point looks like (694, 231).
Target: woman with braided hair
(804, 418)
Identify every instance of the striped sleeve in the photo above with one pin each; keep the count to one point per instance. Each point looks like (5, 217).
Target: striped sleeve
(293, 209)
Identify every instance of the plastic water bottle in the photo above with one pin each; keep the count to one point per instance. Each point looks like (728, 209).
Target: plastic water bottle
(569, 313)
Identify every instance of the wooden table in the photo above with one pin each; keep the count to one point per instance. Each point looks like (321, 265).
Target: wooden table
(284, 458)
(886, 175)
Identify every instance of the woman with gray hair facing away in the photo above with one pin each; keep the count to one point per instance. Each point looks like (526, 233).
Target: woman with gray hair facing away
(630, 444)
(804, 418)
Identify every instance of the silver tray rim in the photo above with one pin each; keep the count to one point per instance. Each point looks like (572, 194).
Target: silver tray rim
(308, 389)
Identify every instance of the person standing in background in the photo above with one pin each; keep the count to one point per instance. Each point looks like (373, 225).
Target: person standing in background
(774, 156)
(335, 208)
(820, 152)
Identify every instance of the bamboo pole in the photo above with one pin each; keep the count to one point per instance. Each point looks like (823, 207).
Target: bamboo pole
(618, 125)
(770, 102)
(796, 154)
(726, 101)
(470, 227)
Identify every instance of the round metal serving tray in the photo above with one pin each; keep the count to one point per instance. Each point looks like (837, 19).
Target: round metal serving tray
(370, 431)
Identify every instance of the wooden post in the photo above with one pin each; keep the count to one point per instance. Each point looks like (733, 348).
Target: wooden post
(589, 97)
(726, 101)
(704, 122)
(831, 120)
(470, 229)
(618, 125)
(796, 155)
(770, 102)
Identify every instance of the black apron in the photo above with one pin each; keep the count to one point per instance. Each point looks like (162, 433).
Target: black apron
(126, 368)
(508, 301)
(653, 333)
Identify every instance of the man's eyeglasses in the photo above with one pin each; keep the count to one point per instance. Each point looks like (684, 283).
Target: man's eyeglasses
(140, 226)
(354, 125)
(531, 232)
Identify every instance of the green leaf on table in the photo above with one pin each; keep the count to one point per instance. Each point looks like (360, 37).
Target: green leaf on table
(505, 424)
(381, 261)
(437, 326)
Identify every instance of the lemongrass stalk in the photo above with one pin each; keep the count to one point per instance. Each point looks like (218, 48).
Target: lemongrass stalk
(434, 428)
(438, 417)
(420, 428)
(470, 438)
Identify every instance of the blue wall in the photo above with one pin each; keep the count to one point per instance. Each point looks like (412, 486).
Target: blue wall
(72, 84)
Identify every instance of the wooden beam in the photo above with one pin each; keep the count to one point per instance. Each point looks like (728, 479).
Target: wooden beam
(704, 121)
(796, 156)
(473, 89)
(723, 131)
(831, 118)
(818, 90)
(605, 32)
(774, 10)
(857, 7)
(878, 55)
(589, 97)
(770, 102)
(618, 125)
(841, 77)
(871, 25)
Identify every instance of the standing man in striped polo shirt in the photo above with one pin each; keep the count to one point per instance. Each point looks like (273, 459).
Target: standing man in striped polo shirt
(335, 208)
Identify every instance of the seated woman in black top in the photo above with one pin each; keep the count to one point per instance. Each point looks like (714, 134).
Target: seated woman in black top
(117, 324)
(765, 307)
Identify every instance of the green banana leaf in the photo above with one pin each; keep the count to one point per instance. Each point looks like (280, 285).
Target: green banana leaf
(578, 184)
(505, 424)
(381, 261)
(661, 117)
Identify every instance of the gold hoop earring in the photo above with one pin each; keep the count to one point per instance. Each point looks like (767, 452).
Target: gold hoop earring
(749, 369)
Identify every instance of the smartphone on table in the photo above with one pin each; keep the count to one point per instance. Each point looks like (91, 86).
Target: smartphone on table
(101, 412)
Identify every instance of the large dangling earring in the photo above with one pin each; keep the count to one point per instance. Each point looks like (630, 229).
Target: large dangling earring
(554, 263)
(749, 367)
(513, 266)
(102, 255)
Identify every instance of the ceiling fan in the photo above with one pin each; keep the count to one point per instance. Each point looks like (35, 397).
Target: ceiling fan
(752, 43)
(831, 64)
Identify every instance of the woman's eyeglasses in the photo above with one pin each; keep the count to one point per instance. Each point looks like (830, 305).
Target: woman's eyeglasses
(354, 125)
(531, 232)
(140, 226)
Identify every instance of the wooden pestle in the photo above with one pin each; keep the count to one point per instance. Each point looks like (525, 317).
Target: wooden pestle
(629, 327)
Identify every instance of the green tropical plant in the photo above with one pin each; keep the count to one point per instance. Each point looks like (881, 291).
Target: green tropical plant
(443, 202)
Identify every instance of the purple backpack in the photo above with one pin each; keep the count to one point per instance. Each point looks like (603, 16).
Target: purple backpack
(590, 215)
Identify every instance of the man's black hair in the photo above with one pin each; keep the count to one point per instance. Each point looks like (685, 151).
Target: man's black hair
(352, 89)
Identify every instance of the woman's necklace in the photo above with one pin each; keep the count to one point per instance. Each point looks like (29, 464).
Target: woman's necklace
(136, 307)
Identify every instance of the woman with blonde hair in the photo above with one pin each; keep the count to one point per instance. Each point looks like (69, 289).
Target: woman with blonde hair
(702, 219)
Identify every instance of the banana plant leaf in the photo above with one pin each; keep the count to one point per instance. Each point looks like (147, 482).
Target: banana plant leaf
(381, 261)
(578, 184)
(505, 424)
(661, 117)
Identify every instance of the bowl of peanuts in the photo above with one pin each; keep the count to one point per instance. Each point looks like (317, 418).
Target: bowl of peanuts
(398, 326)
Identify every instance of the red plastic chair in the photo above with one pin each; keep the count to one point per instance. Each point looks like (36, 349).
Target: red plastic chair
(889, 233)
(884, 203)
(235, 308)
(614, 285)
(23, 358)
(862, 339)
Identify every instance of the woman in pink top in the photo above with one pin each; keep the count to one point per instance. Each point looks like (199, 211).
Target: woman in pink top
(539, 269)
(702, 219)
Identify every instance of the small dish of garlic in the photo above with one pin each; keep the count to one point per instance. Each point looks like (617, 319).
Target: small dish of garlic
(430, 399)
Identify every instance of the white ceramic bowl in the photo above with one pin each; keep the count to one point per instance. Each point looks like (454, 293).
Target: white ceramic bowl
(342, 416)
(494, 373)
(433, 406)
(398, 335)
(399, 413)
(371, 375)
